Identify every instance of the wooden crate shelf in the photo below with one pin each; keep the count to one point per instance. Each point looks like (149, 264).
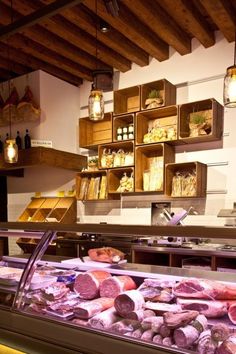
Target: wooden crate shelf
(157, 125)
(166, 90)
(85, 183)
(114, 178)
(127, 100)
(145, 156)
(208, 110)
(186, 170)
(93, 133)
(123, 121)
(126, 146)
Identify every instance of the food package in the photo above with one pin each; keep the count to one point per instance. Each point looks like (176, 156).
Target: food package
(90, 193)
(118, 159)
(126, 183)
(177, 185)
(156, 174)
(129, 159)
(103, 161)
(83, 188)
(103, 188)
(146, 180)
(96, 187)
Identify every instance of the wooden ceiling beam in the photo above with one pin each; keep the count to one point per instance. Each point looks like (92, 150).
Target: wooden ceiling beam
(190, 19)
(38, 15)
(5, 74)
(133, 29)
(161, 24)
(37, 64)
(48, 39)
(13, 66)
(223, 14)
(32, 48)
(112, 39)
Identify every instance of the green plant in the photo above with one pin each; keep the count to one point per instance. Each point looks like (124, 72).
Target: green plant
(197, 119)
(154, 94)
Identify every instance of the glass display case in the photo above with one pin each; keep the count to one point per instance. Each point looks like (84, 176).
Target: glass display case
(72, 306)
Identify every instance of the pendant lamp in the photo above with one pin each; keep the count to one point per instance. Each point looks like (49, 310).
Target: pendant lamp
(10, 147)
(96, 100)
(230, 83)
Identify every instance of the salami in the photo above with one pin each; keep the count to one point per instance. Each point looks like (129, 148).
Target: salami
(148, 335)
(232, 313)
(205, 343)
(228, 346)
(104, 319)
(153, 322)
(113, 286)
(129, 301)
(139, 315)
(88, 309)
(87, 284)
(124, 326)
(138, 333)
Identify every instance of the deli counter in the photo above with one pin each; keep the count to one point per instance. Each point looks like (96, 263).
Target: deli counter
(56, 305)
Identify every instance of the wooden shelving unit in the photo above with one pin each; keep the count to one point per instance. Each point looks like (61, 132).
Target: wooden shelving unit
(83, 180)
(122, 121)
(114, 177)
(127, 100)
(126, 146)
(166, 89)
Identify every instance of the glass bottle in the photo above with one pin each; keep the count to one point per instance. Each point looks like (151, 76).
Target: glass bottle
(7, 137)
(18, 140)
(27, 140)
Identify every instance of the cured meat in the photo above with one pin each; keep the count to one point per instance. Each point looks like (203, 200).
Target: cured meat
(168, 341)
(178, 319)
(148, 335)
(13, 98)
(55, 291)
(228, 346)
(184, 337)
(129, 301)
(113, 286)
(87, 284)
(106, 254)
(139, 315)
(205, 289)
(161, 308)
(157, 339)
(124, 326)
(80, 322)
(104, 319)
(219, 332)
(209, 308)
(232, 313)
(205, 343)
(157, 290)
(153, 322)
(88, 309)
(138, 333)
(63, 307)
(165, 331)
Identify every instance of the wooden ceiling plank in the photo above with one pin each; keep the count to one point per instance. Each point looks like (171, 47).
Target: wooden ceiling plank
(113, 38)
(50, 40)
(35, 17)
(189, 18)
(223, 14)
(132, 28)
(161, 24)
(13, 65)
(37, 64)
(50, 56)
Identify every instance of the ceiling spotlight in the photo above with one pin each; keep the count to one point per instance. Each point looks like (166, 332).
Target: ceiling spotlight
(104, 26)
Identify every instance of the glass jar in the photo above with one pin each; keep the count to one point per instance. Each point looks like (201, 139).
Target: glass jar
(131, 128)
(119, 130)
(125, 130)
(119, 137)
(131, 135)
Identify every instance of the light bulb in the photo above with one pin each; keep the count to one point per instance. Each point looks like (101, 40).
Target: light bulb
(232, 89)
(96, 105)
(11, 151)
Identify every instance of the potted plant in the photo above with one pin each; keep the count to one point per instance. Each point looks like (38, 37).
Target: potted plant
(198, 125)
(154, 99)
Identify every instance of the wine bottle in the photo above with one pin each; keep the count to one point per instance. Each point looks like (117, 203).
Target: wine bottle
(7, 137)
(1, 145)
(27, 140)
(18, 140)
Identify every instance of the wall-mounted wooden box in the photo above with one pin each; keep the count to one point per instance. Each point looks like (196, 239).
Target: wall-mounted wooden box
(108, 157)
(126, 100)
(187, 179)
(93, 133)
(91, 185)
(152, 158)
(120, 122)
(52, 209)
(166, 90)
(157, 125)
(115, 177)
(201, 121)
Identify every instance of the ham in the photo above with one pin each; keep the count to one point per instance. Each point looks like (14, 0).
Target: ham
(87, 284)
(124, 326)
(106, 254)
(129, 301)
(228, 346)
(160, 308)
(55, 291)
(178, 319)
(105, 319)
(113, 286)
(157, 290)
(232, 313)
(209, 308)
(205, 289)
(91, 308)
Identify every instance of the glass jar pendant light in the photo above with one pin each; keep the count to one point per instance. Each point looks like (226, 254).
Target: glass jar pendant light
(11, 151)
(96, 105)
(230, 83)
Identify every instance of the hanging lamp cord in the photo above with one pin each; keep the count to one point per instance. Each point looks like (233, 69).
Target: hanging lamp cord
(9, 68)
(235, 48)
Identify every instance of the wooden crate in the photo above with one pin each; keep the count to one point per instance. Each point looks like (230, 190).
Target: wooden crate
(88, 175)
(114, 177)
(31, 209)
(65, 211)
(167, 92)
(126, 146)
(126, 100)
(144, 156)
(164, 118)
(209, 109)
(186, 168)
(93, 133)
(122, 121)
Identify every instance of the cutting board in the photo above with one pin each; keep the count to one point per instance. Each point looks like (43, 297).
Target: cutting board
(89, 262)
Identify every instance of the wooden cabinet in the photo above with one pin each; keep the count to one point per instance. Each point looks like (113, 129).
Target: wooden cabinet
(93, 133)
(127, 100)
(48, 209)
(201, 121)
(165, 90)
(176, 183)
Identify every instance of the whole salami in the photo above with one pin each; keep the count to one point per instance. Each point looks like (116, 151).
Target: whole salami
(87, 309)
(129, 301)
(104, 319)
(87, 284)
(228, 346)
(113, 286)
